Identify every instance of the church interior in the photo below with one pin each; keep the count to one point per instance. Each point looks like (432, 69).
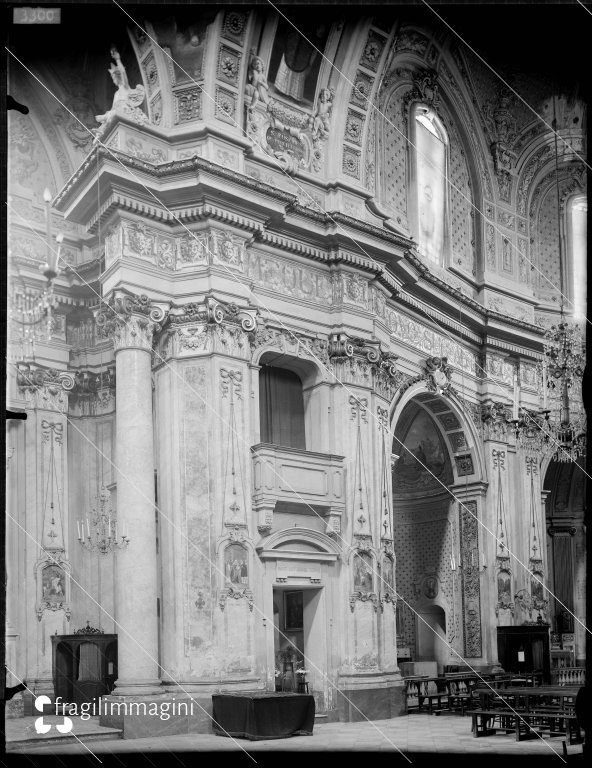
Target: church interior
(296, 320)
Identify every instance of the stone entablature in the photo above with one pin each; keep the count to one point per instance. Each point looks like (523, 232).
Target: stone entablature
(405, 269)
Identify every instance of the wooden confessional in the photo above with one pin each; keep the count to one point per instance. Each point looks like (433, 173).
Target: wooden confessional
(84, 665)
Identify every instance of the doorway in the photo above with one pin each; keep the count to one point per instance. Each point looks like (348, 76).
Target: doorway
(299, 637)
(431, 636)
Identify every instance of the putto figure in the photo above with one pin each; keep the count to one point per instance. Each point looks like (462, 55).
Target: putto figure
(321, 119)
(126, 101)
(257, 88)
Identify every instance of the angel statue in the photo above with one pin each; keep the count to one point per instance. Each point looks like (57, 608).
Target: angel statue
(126, 101)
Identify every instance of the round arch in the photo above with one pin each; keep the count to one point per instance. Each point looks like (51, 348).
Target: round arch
(460, 423)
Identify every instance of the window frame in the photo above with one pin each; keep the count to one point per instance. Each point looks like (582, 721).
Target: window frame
(418, 109)
(569, 265)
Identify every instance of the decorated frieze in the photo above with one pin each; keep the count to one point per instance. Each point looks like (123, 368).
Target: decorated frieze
(150, 152)
(225, 157)
(529, 376)
(175, 252)
(424, 339)
(289, 278)
(227, 250)
(352, 289)
(500, 369)
(496, 303)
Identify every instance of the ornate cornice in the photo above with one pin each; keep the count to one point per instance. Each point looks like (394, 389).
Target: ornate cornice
(384, 273)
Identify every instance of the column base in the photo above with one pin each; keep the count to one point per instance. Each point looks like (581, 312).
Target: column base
(367, 699)
(135, 687)
(163, 715)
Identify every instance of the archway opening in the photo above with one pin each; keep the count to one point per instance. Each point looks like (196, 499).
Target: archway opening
(564, 491)
(425, 541)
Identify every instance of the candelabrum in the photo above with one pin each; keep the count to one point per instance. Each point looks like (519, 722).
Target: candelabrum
(100, 533)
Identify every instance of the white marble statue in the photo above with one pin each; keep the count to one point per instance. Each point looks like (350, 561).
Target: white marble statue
(126, 101)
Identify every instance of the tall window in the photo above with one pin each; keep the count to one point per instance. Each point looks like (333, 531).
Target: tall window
(577, 212)
(430, 145)
(281, 408)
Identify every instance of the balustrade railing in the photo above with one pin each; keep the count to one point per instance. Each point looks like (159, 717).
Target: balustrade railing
(568, 676)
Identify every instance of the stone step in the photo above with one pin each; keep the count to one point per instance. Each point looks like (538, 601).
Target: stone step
(64, 738)
(20, 734)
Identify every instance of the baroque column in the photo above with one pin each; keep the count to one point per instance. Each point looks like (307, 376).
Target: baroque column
(131, 322)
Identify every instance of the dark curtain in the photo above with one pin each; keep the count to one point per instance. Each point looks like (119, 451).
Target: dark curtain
(281, 408)
(563, 572)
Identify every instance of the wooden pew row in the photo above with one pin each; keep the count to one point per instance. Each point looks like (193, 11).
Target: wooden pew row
(526, 725)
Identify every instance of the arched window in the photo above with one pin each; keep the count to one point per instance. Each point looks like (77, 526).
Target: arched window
(431, 144)
(281, 408)
(577, 212)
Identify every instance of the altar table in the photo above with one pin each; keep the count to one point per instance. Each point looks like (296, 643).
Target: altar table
(263, 715)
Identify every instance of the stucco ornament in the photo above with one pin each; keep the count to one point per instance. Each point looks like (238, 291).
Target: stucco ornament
(438, 374)
(126, 101)
(294, 135)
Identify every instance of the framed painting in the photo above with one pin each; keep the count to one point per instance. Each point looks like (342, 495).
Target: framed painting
(293, 611)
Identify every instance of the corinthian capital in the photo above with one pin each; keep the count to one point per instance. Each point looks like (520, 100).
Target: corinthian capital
(130, 320)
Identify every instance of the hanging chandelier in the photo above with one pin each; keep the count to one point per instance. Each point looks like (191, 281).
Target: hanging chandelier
(31, 307)
(563, 369)
(100, 533)
(563, 366)
(560, 426)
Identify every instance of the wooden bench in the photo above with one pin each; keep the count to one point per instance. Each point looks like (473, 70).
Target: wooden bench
(484, 721)
(526, 725)
(557, 723)
(433, 700)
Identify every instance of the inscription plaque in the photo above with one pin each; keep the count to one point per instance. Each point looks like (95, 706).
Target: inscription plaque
(282, 141)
